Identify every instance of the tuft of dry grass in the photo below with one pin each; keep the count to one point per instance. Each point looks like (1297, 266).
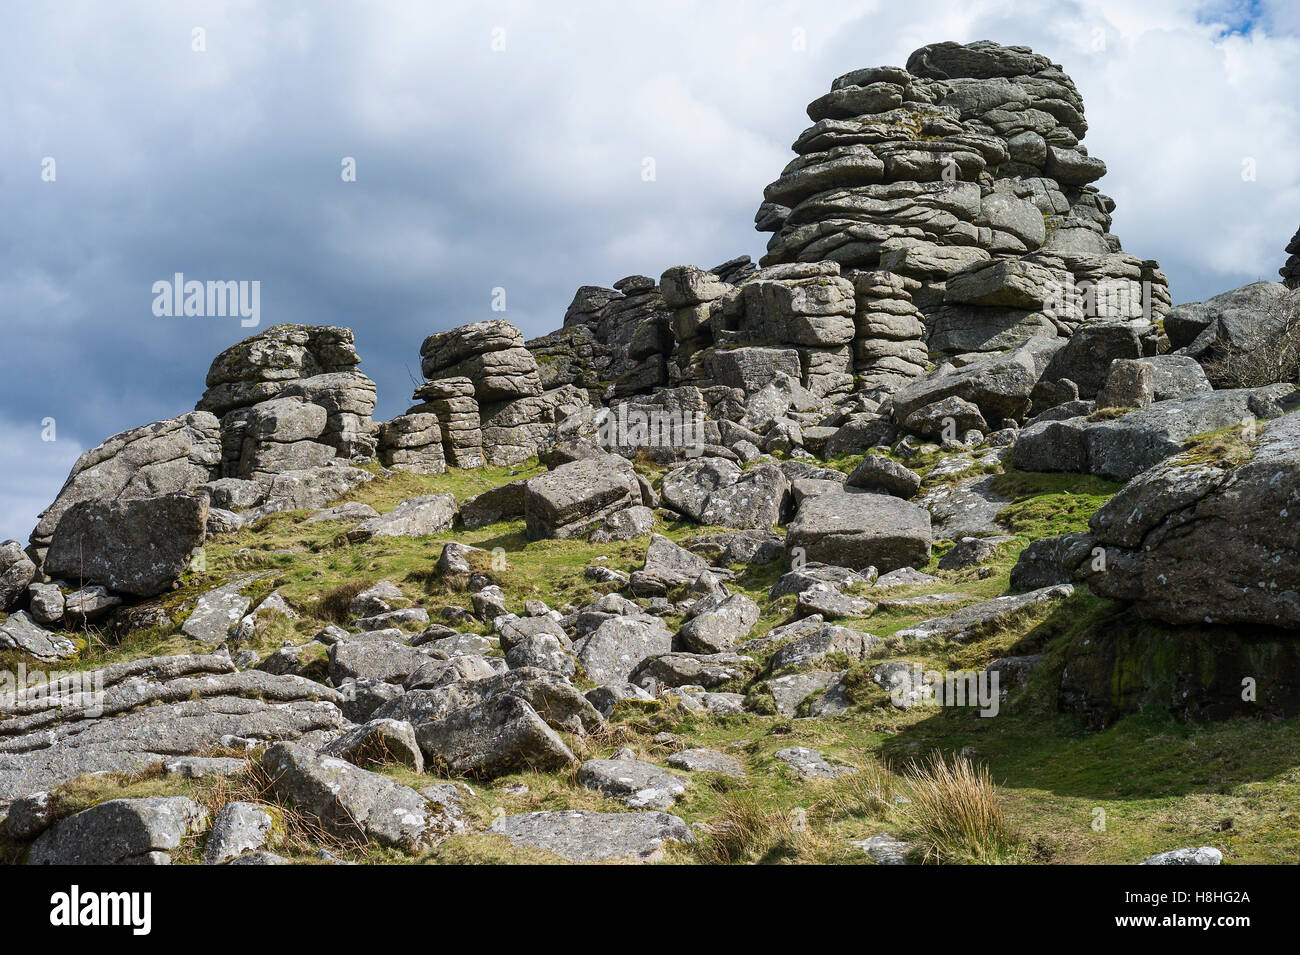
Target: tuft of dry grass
(954, 809)
(334, 604)
(869, 793)
(747, 831)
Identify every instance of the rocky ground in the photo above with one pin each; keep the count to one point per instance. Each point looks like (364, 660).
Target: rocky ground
(768, 734)
(904, 545)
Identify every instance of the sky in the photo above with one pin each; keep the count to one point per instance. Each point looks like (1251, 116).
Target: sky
(505, 146)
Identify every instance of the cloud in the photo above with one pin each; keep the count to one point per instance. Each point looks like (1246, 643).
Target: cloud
(45, 464)
(503, 145)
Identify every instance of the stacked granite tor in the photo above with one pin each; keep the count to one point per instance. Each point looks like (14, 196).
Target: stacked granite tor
(290, 398)
(412, 442)
(486, 394)
(965, 172)
(629, 328)
(890, 345)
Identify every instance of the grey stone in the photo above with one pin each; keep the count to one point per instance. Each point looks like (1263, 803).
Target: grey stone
(1201, 855)
(350, 801)
(130, 715)
(238, 828)
(16, 573)
(176, 455)
(820, 643)
(575, 498)
(861, 529)
(707, 761)
(383, 660)
(349, 511)
(608, 695)
(667, 567)
(377, 743)
(582, 836)
(693, 669)
(635, 521)
(618, 646)
(217, 613)
(640, 785)
(875, 472)
(952, 415)
(1130, 384)
(416, 517)
(971, 622)
(1052, 560)
(830, 604)
(970, 551)
(1206, 542)
(120, 831)
(814, 573)
(811, 764)
(136, 546)
(884, 849)
(789, 691)
(45, 602)
(715, 624)
(19, 632)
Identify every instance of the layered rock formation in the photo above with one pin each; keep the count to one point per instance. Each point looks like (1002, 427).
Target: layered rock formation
(266, 390)
(934, 212)
(284, 415)
(964, 171)
(485, 391)
(941, 300)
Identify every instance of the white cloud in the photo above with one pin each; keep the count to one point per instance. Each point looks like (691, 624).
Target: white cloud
(31, 472)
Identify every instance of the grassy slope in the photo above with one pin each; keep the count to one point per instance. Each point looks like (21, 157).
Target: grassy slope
(1161, 785)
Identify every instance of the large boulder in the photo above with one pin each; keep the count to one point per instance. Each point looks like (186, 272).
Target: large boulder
(999, 386)
(490, 354)
(667, 567)
(1087, 356)
(576, 497)
(174, 455)
(121, 832)
(752, 368)
(495, 725)
(1196, 540)
(860, 529)
(308, 488)
(352, 802)
(1120, 448)
(875, 472)
(261, 366)
(1224, 320)
(414, 517)
(16, 573)
(716, 491)
(717, 623)
(130, 715)
(619, 645)
(136, 546)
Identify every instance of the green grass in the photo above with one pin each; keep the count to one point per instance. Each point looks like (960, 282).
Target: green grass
(1157, 784)
(1049, 505)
